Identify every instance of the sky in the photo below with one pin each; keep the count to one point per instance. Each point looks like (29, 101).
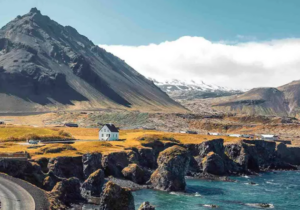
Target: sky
(232, 43)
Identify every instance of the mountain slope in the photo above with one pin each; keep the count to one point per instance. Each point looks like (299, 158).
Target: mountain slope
(46, 66)
(189, 90)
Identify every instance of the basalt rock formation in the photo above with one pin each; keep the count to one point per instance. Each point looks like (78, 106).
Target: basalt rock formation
(91, 163)
(92, 186)
(115, 197)
(146, 206)
(172, 167)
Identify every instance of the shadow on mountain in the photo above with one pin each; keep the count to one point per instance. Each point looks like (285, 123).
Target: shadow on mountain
(38, 92)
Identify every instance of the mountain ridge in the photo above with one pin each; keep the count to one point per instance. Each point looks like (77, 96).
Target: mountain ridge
(47, 66)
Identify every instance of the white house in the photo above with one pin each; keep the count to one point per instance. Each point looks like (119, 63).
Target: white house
(108, 133)
(235, 135)
(213, 134)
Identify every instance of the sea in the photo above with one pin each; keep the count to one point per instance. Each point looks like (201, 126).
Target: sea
(279, 190)
(276, 190)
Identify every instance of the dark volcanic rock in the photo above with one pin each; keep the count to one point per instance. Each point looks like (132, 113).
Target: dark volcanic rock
(215, 145)
(23, 169)
(91, 163)
(66, 167)
(172, 167)
(213, 164)
(290, 155)
(115, 197)
(136, 174)
(147, 157)
(93, 185)
(50, 181)
(68, 191)
(115, 162)
(146, 206)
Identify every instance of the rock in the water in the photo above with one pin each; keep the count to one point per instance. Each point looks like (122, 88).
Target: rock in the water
(135, 173)
(172, 167)
(66, 167)
(93, 185)
(115, 197)
(146, 206)
(68, 191)
(213, 164)
(91, 163)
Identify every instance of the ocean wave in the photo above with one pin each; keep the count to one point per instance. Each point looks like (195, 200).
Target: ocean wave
(198, 194)
(175, 193)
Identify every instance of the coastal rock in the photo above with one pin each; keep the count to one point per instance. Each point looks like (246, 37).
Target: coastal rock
(213, 164)
(93, 185)
(68, 191)
(91, 163)
(157, 147)
(215, 145)
(172, 167)
(147, 158)
(50, 181)
(43, 162)
(146, 206)
(289, 154)
(66, 167)
(115, 162)
(115, 197)
(135, 173)
(23, 169)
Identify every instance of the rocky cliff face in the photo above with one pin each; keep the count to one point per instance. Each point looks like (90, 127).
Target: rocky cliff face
(46, 66)
(172, 167)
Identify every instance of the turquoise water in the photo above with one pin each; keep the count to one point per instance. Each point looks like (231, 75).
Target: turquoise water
(280, 189)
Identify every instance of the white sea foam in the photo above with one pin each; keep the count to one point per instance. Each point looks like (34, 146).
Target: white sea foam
(198, 194)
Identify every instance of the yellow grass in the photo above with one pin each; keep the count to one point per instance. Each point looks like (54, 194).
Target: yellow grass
(129, 138)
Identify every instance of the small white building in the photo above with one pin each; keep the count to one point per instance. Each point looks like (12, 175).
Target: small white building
(269, 137)
(214, 134)
(235, 135)
(108, 133)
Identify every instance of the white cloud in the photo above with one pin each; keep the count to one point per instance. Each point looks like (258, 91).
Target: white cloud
(240, 65)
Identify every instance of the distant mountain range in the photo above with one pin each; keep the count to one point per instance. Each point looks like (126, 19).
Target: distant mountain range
(281, 101)
(46, 66)
(188, 90)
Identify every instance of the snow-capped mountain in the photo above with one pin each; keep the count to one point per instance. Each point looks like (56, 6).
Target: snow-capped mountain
(191, 89)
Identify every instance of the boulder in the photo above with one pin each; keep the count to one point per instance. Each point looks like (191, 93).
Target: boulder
(113, 163)
(172, 167)
(146, 206)
(136, 174)
(213, 164)
(66, 167)
(67, 191)
(115, 197)
(93, 185)
(91, 163)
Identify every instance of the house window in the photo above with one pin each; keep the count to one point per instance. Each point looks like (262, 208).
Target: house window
(107, 135)
(102, 135)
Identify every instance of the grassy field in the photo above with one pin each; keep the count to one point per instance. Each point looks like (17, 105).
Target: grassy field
(129, 138)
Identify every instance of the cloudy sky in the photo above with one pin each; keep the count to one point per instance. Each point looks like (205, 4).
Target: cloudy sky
(232, 64)
(233, 43)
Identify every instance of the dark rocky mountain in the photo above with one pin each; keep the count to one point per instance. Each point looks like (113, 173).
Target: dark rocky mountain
(281, 101)
(46, 66)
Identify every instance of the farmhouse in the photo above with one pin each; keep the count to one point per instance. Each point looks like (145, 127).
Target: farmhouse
(108, 133)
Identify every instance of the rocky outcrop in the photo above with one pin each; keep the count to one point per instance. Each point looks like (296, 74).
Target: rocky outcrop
(50, 181)
(146, 206)
(201, 150)
(91, 163)
(172, 167)
(68, 191)
(66, 167)
(289, 154)
(115, 197)
(115, 162)
(213, 164)
(136, 174)
(146, 157)
(23, 169)
(93, 185)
